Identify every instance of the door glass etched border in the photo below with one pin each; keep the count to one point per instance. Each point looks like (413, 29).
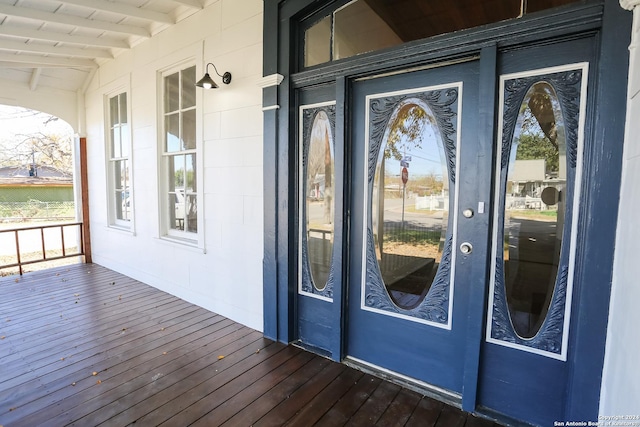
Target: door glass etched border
(570, 84)
(313, 118)
(444, 104)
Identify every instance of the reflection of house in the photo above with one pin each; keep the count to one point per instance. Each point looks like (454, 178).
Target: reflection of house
(316, 187)
(526, 183)
(20, 184)
(241, 141)
(527, 178)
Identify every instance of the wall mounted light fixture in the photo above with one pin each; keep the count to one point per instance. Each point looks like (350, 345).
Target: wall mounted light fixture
(207, 82)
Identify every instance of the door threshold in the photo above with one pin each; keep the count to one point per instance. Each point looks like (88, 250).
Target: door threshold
(435, 392)
(308, 347)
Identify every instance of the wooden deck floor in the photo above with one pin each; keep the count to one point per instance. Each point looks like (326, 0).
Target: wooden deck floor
(83, 345)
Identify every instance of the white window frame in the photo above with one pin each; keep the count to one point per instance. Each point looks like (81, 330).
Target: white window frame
(195, 239)
(126, 136)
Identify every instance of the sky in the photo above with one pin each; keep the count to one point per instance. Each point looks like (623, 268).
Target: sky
(18, 120)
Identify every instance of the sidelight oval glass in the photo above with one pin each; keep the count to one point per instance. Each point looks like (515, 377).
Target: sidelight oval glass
(534, 208)
(410, 204)
(320, 178)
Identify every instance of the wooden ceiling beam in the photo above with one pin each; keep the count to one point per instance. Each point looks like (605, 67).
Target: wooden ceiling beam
(122, 9)
(35, 61)
(59, 18)
(51, 36)
(16, 46)
(195, 4)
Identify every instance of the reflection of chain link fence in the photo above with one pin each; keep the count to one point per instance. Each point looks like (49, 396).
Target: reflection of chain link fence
(36, 210)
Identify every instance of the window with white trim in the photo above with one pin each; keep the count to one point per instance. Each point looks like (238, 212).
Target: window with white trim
(119, 167)
(179, 190)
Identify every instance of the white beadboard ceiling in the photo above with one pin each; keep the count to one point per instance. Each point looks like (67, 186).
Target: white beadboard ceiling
(59, 43)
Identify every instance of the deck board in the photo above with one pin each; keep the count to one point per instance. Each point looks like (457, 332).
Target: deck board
(83, 345)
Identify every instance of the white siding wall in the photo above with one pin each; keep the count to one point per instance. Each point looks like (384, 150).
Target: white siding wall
(227, 277)
(620, 393)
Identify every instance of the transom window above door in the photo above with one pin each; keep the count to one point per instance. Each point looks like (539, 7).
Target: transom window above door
(361, 26)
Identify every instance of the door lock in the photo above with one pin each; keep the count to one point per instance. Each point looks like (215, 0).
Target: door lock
(466, 248)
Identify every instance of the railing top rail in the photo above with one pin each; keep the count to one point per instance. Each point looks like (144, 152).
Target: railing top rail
(45, 256)
(39, 227)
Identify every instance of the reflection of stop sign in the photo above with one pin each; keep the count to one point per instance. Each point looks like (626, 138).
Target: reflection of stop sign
(405, 175)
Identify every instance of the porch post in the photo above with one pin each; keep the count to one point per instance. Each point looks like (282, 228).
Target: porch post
(84, 185)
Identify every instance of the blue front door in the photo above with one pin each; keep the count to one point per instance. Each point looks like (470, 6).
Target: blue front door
(414, 143)
(465, 185)
(544, 96)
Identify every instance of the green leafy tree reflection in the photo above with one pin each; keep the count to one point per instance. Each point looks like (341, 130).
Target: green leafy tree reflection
(539, 136)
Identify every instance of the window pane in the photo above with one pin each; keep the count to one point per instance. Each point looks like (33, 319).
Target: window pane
(123, 107)
(369, 25)
(191, 173)
(176, 211)
(538, 5)
(534, 208)
(410, 215)
(120, 204)
(191, 212)
(172, 132)
(113, 111)
(189, 87)
(123, 206)
(189, 130)
(171, 93)
(116, 150)
(319, 199)
(359, 29)
(120, 174)
(126, 208)
(124, 171)
(317, 43)
(125, 139)
(176, 169)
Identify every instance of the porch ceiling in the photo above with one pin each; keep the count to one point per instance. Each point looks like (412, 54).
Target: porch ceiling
(60, 43)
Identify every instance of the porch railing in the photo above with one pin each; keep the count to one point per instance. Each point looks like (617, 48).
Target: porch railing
(32, 241)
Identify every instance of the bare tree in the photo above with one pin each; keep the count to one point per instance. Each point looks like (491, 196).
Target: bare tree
(38, 145)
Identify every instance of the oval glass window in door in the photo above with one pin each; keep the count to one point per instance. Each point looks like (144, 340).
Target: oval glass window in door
(410, 203)
(317, 199)
(534, 208)
(410, 175)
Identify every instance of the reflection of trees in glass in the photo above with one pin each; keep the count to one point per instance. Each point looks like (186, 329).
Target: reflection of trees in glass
(407, 240)
(538, 138)
(179, 175)
(425, 185)
(320, 165)
(316, 159)
(179, 178)
(407, 131)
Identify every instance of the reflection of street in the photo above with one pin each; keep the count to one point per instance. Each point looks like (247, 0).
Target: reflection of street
(530, 270)
(409, 253)
(427, 220)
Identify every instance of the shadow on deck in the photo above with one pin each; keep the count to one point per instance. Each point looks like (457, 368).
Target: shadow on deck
(84, 345)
